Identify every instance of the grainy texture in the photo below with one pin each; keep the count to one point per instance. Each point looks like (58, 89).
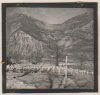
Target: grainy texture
(38, 43)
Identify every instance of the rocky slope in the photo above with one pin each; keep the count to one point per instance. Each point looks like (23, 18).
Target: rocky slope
(28, 37)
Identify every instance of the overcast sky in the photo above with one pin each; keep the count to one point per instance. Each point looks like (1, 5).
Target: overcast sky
(50, 15)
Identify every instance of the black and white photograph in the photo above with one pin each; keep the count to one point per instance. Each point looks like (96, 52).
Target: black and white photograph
(50, 47)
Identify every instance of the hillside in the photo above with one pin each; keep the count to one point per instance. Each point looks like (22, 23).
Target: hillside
(29, 38)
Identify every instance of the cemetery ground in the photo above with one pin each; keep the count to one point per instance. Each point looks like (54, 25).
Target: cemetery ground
(48, 76)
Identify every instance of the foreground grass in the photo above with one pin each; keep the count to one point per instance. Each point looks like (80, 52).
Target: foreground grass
(44, 79)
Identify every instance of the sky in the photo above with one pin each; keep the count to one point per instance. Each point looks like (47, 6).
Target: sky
(49, 15)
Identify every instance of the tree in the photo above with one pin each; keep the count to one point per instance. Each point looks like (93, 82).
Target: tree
(53, 45)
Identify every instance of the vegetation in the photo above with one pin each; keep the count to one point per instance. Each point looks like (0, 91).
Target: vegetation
(34, 42)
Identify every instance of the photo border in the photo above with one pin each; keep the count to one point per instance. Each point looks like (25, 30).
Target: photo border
(50, 5)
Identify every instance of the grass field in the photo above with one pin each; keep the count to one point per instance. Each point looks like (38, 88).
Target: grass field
(50, 77)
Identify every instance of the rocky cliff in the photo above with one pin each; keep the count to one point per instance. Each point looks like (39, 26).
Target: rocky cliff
(28, 37)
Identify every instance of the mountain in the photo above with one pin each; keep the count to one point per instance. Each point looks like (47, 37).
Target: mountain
(29, 38)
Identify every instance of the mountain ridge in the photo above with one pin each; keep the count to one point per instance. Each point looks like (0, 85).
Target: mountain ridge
(42, 33)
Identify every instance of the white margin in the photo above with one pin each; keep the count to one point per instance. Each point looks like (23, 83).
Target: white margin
(41, 1)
